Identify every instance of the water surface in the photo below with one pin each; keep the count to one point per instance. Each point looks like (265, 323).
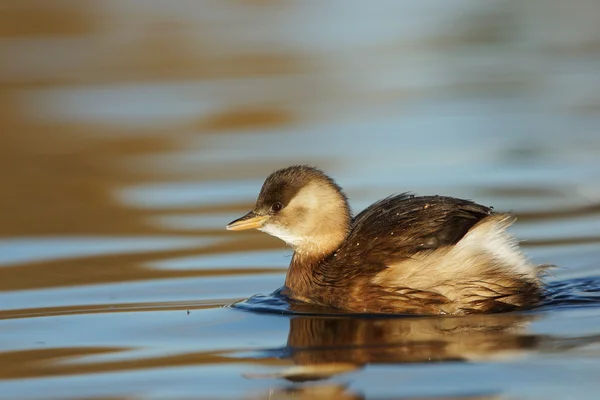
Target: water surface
(134, 131)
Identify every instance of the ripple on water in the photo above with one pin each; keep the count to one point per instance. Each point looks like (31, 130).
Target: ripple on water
(275, 259)
(32, 249)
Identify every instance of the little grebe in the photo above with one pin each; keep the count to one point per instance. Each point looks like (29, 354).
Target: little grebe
(402, 254)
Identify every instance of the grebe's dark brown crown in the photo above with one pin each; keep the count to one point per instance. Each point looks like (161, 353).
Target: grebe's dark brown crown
(284, 184)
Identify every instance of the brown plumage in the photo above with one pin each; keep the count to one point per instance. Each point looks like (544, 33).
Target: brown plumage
(403, 254)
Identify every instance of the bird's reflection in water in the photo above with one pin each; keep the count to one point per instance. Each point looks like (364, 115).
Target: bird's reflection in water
(359, 341)
(341, 392)
(310, 392)
(324, 346)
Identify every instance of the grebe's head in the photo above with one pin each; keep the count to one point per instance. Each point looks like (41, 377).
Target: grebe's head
(303, 207)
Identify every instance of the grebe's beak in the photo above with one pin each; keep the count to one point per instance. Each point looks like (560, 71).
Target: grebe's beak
(249, 221)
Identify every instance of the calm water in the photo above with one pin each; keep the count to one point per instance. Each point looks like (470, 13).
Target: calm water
(134, 131)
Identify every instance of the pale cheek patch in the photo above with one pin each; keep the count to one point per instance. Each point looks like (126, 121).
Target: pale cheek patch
(318, 198)
(281, 233)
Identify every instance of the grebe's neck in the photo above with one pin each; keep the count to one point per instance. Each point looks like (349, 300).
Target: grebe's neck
(303, 273)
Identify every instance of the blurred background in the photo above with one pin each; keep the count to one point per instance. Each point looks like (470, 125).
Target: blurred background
(133, 131)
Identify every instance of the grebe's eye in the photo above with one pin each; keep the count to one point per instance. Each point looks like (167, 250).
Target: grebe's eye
(276, 207)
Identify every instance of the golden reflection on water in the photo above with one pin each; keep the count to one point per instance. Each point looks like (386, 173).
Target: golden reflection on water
(52, 362)
(59, 177)
(120, 267)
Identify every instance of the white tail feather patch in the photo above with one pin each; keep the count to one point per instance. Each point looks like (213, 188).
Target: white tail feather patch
(490, 237)
(487, 252)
